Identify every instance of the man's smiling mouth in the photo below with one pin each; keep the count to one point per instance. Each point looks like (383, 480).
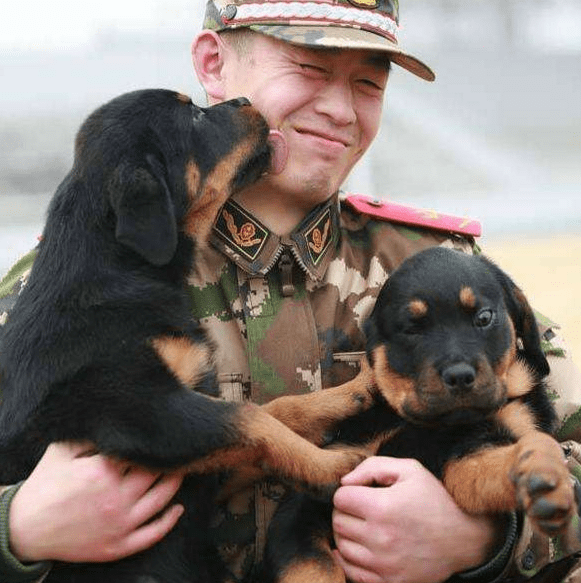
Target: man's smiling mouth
(326, 136)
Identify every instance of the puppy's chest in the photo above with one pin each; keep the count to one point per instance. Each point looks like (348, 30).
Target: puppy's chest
(435, 445)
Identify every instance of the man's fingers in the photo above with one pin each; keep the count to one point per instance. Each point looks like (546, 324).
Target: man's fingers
(354, 552)
(348, 525)
(138, 481)
(155, 499)
(357, 501)
(355, 572)
(369, 473)
(380, 471)
(150, 533)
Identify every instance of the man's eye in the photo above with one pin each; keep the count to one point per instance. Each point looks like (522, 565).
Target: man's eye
(372, 84)
(313, 70)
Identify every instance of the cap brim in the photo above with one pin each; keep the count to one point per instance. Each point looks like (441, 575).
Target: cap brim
(346, 37)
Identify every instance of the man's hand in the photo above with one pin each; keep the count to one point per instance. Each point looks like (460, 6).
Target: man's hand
(78, 507)
(395, 523)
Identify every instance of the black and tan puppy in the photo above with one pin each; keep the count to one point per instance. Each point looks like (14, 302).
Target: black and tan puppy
(456, 369)
(101, 345)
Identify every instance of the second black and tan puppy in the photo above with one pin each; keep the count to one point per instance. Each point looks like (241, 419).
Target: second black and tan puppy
(456, 370)
(101, 345)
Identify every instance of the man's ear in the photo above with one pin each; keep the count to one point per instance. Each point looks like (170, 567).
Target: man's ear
(208, 52)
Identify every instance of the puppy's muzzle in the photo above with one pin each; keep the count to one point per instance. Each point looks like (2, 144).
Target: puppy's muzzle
(459, 377)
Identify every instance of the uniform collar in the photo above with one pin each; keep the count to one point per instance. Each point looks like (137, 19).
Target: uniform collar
(247, 242)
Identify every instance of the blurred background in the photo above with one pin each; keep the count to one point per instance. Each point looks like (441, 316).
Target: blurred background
(497, 137)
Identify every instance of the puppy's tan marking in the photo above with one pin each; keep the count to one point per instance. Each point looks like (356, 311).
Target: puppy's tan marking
(418, 308)
(192, 179)
(183, 98)
(519, 380)
(480, 483)
(502, 368)
(216, 188)
(395, 388)
(320, 569)
(467, 298)
(188, 361)
(517, 417)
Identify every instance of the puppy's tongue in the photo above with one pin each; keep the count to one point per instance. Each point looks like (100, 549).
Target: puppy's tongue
(279, 151)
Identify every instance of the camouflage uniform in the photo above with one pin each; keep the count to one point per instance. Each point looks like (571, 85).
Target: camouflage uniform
(285, 314)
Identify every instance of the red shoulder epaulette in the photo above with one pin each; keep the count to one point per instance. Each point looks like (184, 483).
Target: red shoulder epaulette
(414, 216)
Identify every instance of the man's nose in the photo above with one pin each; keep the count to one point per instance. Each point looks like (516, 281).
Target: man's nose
(336, 101)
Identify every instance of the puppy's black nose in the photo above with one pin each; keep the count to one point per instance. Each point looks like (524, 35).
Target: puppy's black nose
(459, 377)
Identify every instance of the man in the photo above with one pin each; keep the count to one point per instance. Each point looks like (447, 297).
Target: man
(283, 289)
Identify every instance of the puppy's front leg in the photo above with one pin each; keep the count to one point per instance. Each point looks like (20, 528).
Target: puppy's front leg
(314, 415)
(530, 474)
(265, 446)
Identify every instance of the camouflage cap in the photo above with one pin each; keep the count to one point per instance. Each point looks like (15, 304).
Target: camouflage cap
(358, 24)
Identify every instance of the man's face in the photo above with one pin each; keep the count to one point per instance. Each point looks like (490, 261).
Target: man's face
(327, 104)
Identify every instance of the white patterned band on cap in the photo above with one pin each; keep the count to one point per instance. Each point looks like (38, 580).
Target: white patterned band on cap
(312, 13)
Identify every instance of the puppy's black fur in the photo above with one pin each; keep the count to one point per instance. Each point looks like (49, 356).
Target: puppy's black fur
(101, 345)
(456, 370)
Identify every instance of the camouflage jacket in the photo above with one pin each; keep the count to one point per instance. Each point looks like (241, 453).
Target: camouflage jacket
(285, 314)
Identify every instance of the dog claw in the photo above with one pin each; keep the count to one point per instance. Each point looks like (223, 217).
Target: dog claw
(547, 496)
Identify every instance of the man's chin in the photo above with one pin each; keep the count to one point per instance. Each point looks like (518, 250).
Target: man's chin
(314, 191)
(312, 188)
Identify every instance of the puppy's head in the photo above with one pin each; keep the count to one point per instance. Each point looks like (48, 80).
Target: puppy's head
(165, 165)
(443, 337)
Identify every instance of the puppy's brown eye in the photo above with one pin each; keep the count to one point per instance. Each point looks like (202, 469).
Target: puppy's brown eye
(484, 318)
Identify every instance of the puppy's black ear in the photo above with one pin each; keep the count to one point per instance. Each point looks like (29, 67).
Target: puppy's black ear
(523, 318)
(146, 217)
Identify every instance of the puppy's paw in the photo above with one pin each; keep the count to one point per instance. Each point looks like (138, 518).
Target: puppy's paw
(363, 400)
(545, 491)
(352, 457)
(341, 460)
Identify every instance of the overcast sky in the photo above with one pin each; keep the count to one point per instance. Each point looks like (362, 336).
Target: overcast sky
(69, 24)
(63, 24)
